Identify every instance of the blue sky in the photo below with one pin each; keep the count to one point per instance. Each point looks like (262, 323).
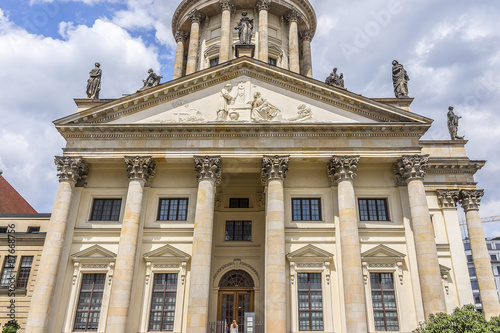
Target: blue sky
(451, 49)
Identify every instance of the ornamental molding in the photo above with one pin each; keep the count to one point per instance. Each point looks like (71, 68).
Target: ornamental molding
(274, 167)
(71, 169)
(140, 168)
(448, 198)
(293, 15)
(411, 167)
(470, 199)
(181, 36)
(236, 264)
(445, 273)
(208, 168)
(226, 5)
(263, 5)
(195, 16)
(382, 258)
(343, 168)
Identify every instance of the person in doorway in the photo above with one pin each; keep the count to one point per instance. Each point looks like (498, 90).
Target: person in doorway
(234, 327)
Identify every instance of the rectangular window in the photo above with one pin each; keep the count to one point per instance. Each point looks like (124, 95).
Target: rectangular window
(489, 246)
(214, 62)
(106, 210)
(238, 231)
(162, 314)
(3, 230)
(373, 210)
(272, 61)
(477, 299)
(493, 257)
(239, 203)
(90, 302)
(172, 210)
(8, 271)
(474, 285)
(384, 302)
(469, 258)
(33, 230)
(24, 272)
(498, 269)
(306, 209)
(472, 272)
(310, 302)
(467, 246)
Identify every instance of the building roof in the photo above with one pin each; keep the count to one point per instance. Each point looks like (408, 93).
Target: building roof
(11, 202)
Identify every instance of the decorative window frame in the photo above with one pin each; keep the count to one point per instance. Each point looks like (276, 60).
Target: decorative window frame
(93, 260)
(382, 259)
(164, 260)
(210, 53)
(311, 259)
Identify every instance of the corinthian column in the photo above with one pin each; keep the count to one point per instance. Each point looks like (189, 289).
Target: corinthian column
(470, 200)
(412, 169)
(140, 170)
(343, 170)
(180, 38)
(263, 8)
(293, 40)
(306, 50)
(225, 30)
(208, 171)
(195, 17)
(274, 170)
(71, 170)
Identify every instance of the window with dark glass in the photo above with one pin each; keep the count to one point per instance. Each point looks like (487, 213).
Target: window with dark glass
(467, 246)
(3, 230)
(493, 257)
(469, 258)
(106, 210)
(8, 270)
(24, 272)
(238, 231)
(214, 62)
(272, 61)
(308, 209)
(33, 230)
(310, 302)
(489, 246)
(373, 210)
(474, 285)
(472, 271)
(162, 313)
(239, 203)
(498, 269)
(385, 312)
(477, 299)
(172, 210)
(90, 302)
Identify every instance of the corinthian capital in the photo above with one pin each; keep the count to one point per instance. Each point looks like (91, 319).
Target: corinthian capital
(71, 169)
(226, 5)
(274, 167)
(306, 35)
(181, 36)
(293, 16)
(411, 167)
(140, 168)
(448, 198)
(470, 199)
(208, 167)
(343, 167)
(263, 5)
(195, 16)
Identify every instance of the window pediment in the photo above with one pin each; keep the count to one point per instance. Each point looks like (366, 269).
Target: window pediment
(94, 254)
(167, 253)
(310, 254)
(382, 253)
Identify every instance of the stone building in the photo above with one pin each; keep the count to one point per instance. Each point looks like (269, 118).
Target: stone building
(245, 185)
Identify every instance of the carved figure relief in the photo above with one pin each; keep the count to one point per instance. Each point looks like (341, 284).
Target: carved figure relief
(303, 114)
(224, 100)
(262, 110)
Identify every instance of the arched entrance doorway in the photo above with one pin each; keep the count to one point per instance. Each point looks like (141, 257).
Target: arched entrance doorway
(236, 296)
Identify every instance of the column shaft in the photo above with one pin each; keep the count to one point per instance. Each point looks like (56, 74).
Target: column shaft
(225, 35)
(179, 54)
(307, 55)
(192, 60)
(263, 34)
(294, 47)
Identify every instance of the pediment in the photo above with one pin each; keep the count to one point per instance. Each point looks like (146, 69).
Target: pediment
(289, 98)
(94, 253)
(309, 253)
(382, 252)
(167, 253)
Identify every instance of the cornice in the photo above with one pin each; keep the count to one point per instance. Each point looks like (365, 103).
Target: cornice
(454, 166)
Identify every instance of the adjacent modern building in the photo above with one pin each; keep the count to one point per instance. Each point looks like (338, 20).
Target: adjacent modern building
(245, 185)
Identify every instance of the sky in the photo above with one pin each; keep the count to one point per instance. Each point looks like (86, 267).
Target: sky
(450, 48)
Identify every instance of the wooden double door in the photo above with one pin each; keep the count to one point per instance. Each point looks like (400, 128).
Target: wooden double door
(233, 303)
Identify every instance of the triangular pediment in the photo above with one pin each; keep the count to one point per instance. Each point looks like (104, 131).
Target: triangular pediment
(382, 252)
(310, 253)
(167, 253)
(196, 98)
(94, 253)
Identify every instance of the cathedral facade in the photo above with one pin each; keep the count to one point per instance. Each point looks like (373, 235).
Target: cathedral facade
(244, 186)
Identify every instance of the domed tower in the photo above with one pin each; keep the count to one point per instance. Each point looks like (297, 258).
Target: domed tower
(207, 34)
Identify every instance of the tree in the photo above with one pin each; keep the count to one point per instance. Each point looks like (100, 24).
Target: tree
(463, 320)
(11, 327)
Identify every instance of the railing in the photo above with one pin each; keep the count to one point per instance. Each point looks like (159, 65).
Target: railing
(222, 326)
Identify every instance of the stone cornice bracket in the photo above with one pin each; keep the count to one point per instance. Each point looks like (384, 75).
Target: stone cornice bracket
(294, 15)
(263, 5)
(343, 167)
(448, 198)
(195, 16)
(470, 199)
(140, 168)
(411, 167)
(181, 36)
(274, 167)
(226, 5)
(71, 169)
(208, 167)
(306, 35)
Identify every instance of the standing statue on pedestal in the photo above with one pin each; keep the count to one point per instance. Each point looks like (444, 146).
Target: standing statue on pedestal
(94, 82)
(400, 80)
(153, 80)
(224, 100)
(245, 29)
(453, 124)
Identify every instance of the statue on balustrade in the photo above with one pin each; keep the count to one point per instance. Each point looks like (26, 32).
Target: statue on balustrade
(453, 124)
(400, 80)
(153, 80)
(334, 79)
(94, 82)
(245, 29)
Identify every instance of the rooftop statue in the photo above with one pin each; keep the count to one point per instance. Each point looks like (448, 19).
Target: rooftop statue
(453, 124)
(245, 29)
(400, 80)
(94, 82)
(334, 79)
(153, 80)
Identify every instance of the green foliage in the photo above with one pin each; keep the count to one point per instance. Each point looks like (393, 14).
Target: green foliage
(11, 327)
(464, 320)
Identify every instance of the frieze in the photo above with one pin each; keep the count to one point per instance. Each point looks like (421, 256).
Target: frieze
(310, 265)
(165, 266)
(95, 266)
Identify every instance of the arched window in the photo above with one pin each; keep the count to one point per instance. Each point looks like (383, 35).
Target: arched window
(235, 279)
